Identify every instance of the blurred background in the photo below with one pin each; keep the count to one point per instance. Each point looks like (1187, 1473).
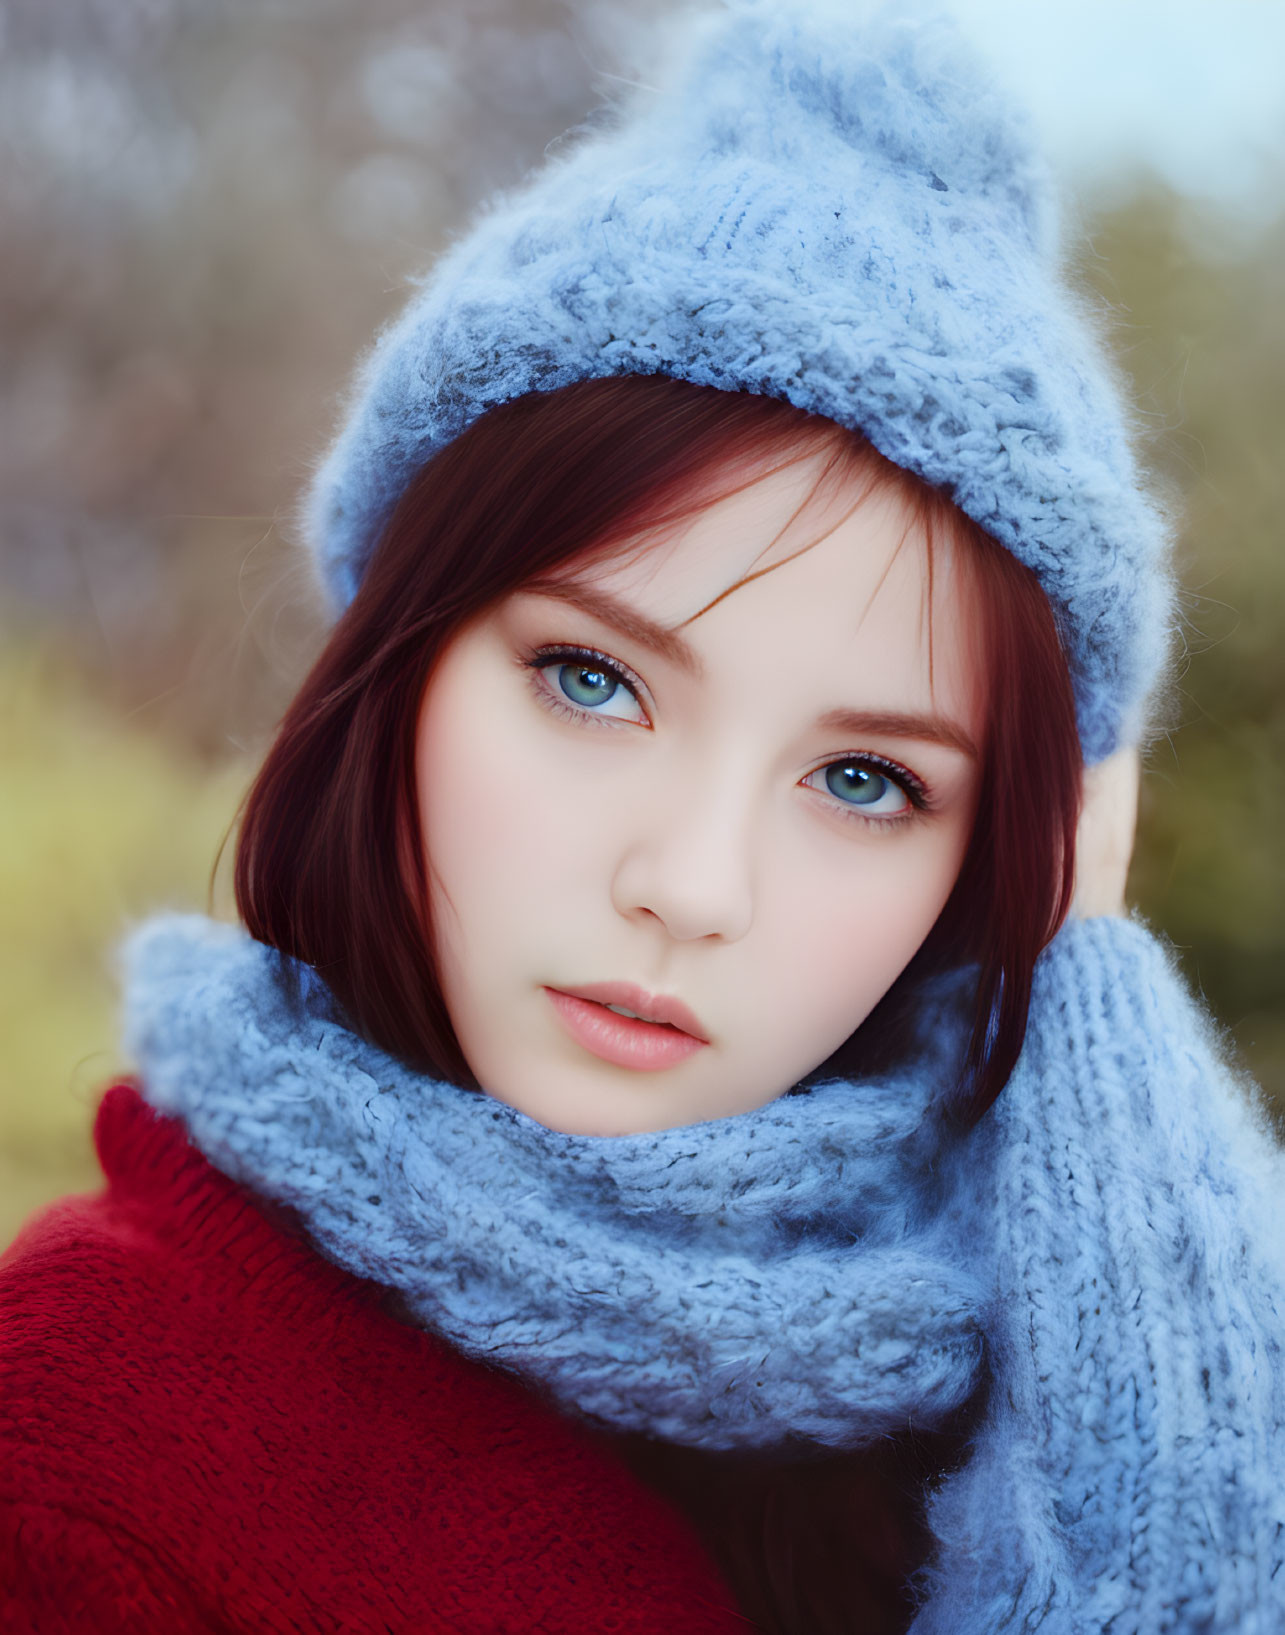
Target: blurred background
(208, 206)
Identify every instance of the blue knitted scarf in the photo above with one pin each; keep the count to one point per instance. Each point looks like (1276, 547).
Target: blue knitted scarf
(1103, 1251)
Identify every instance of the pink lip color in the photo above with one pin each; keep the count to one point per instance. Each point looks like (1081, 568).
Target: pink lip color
(652, 1007)
(646, 1046)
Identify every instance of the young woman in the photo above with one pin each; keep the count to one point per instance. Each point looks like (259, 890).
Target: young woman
(655, 1158)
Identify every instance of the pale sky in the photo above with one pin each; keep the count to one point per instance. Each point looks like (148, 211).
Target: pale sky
(1193, 88)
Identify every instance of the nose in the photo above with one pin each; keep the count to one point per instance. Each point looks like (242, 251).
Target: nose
(687, 862)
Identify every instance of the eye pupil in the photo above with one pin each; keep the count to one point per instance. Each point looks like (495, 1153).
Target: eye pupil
(585, 685)
(857, 785)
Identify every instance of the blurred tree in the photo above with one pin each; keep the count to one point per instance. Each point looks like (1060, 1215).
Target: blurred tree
(207, 211)
(1200, 326)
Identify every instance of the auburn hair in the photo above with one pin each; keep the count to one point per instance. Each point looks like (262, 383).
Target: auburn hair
(329, 866)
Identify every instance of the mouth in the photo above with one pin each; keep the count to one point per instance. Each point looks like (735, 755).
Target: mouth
(628, 1027)
(626, 999)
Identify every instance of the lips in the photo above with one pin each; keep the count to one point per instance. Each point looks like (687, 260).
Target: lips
(647, 1007)
(660, 1035)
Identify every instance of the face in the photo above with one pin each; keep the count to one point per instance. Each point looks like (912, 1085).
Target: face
(738, 821)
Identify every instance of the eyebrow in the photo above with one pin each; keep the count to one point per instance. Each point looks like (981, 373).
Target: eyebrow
(931, 729)
(625, 619)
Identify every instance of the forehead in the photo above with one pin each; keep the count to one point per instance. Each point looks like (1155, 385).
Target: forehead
(808, 554)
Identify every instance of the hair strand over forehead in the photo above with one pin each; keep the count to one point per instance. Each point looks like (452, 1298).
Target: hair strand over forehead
(329, 867)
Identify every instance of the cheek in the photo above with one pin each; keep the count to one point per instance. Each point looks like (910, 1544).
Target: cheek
(497, 836)
(860, 927)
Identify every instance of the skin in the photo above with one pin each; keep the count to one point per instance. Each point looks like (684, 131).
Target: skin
(688, 839)
(1104, 838)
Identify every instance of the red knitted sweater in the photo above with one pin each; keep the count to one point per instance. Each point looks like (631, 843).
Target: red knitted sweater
(204, 1426)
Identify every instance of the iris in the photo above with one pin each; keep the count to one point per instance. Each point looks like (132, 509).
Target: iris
(856, 784)
(585, 686)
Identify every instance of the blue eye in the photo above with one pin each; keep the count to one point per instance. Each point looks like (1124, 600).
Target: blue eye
(585, 686)
(865, 787)
(581, 683)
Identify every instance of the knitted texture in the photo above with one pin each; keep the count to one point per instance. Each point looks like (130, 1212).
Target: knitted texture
(833, 209)
(1128, 1478)
(1102, 1251)
(566, 1256)
(208, 1429)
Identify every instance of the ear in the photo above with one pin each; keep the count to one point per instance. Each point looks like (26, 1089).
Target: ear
(1104, 838)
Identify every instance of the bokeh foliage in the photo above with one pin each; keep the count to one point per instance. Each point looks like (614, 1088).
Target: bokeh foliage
(101, 819)
(1200, 327)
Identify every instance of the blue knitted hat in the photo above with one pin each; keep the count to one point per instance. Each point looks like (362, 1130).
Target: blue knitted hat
(826, 205)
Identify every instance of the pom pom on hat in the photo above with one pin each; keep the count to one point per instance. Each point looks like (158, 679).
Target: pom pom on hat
(828, 205)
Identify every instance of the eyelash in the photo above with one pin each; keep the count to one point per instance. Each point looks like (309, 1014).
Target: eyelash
(914, 788)
(543, 657)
